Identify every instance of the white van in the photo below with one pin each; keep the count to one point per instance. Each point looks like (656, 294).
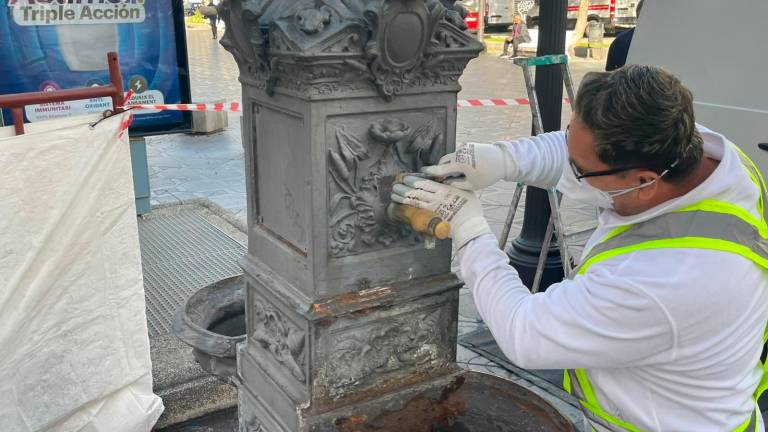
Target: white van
(500, 13)
(719, 57)
(614, 14)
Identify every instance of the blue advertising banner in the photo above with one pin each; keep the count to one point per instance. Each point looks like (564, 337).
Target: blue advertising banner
(61, 44)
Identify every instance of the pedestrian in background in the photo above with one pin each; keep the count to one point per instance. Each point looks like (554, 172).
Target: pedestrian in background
(213, 16)
(518, 34)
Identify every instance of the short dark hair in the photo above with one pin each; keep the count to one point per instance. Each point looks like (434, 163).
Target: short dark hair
(641, 116)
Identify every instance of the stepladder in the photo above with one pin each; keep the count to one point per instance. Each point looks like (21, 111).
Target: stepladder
(556, 224)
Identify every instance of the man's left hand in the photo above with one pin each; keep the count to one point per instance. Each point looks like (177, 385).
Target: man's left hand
(460, 208)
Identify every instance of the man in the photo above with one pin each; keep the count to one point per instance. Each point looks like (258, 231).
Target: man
(213, 18)
(617, 53)
(661, 328)
(518, 35)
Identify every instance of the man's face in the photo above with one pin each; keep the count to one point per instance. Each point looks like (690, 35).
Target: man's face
(582, 154)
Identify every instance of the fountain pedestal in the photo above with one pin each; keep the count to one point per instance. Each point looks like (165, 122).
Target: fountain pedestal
(350, 319)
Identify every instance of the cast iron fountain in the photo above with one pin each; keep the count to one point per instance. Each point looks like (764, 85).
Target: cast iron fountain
(351, 322)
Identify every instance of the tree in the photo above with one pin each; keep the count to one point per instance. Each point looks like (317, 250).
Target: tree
(581, 26)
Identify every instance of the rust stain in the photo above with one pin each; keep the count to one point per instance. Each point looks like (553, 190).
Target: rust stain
(371, 298)
(364, 295)
(375, 293)
(363, 312)
(336, 305)
(351, 424)
(349, 298)
(542, 413)
(420, 414)
(321, 309)
(325, 322)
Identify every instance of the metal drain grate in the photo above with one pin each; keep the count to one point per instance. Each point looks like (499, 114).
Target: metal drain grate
(182, 252)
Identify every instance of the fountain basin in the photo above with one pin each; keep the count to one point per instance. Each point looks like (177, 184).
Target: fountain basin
(212, 322)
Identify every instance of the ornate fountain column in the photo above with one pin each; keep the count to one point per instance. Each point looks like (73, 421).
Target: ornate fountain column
(348, 315)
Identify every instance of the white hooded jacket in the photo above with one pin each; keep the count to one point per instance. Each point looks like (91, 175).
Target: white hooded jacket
(670, 338)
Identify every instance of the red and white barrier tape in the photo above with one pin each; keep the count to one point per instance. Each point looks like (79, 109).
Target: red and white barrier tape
(463, 103)
(237, 107)
(126, 124)
(128, 119)
(216, 107)
(127, 96)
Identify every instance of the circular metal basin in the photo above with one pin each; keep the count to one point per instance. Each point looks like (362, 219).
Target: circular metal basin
(212, 322)
(499, 405)
(472, 402)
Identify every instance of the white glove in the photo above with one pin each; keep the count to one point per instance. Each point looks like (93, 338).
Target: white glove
(460, 208)
(474, 166)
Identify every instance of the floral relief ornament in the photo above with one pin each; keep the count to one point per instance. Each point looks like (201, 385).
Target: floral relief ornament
(357, 214)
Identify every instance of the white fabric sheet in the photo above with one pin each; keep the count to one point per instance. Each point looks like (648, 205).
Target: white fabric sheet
(74, 348)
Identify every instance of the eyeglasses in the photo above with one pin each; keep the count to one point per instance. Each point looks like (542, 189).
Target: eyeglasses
(579, 174)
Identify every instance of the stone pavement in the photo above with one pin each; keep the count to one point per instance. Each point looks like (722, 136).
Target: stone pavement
(184, 167)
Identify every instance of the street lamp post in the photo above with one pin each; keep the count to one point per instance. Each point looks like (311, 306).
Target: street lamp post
(525, 250)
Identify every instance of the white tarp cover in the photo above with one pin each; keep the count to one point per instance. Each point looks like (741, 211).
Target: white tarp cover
(74, 348)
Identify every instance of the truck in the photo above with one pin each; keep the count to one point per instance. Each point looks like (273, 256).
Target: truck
(498, 13)
(614, 14)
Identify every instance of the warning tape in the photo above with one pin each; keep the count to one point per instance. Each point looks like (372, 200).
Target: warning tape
(216, 107)
(237, 107)
(126, 124)
(463, 103)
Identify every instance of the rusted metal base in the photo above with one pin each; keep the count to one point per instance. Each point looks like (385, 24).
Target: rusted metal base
(468, 402)
(460, 402)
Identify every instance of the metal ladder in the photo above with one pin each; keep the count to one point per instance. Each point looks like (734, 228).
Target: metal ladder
(555, 221)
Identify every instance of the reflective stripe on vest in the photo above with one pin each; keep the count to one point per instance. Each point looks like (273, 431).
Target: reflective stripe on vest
(709, 224)
(701, 229)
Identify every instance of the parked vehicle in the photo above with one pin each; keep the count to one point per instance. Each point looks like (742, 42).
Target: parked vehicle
(614, 14)
(499, 13)
(191, 6)
(473, 14)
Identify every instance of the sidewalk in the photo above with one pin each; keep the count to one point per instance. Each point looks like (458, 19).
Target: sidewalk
(494, 43)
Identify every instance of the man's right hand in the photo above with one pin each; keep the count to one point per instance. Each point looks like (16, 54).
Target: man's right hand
(473, 166)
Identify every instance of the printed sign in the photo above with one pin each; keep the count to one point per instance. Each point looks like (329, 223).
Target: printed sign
(34, 13)
(49, 45)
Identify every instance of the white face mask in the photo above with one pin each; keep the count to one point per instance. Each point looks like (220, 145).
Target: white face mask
(582, 191)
